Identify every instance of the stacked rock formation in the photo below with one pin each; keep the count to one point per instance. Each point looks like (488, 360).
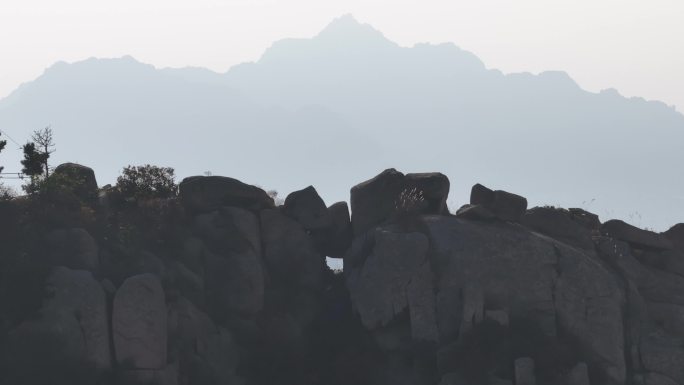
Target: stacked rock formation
(221, 286)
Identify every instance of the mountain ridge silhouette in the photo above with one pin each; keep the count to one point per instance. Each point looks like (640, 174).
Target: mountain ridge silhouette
(347, 101)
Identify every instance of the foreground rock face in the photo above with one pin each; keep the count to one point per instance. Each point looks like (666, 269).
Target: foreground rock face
(139, 323)
(220, 286)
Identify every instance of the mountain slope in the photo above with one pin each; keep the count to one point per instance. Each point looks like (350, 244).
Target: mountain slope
(330, 108)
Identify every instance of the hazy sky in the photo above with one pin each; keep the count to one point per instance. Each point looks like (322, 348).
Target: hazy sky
(635, 46)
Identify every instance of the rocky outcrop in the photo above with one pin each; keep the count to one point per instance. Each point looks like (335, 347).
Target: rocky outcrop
(220, 286)
(392, 193)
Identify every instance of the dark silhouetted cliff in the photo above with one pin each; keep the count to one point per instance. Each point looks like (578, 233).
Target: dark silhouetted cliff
(219, 285)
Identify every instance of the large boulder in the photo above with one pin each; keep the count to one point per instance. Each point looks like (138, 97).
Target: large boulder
(504, 205)
(559, 224)
(329, 228)
(139, 323)
(391, 193)
(375, 200)
(635, 236)
(208, 193)
(307, 207)
(394, 277)
(79, 179)
(74, 248)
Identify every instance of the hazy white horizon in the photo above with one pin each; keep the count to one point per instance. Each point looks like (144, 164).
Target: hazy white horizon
(633, 46)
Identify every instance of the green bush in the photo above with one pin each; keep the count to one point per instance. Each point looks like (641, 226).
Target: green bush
(147, 182)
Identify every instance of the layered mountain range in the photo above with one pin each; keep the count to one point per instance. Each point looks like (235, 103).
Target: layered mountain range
(339, 107)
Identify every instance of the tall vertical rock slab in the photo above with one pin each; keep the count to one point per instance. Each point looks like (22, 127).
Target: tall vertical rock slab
(139, 323)
(395, 276)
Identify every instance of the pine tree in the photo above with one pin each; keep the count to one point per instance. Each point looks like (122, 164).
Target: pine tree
(33, 161)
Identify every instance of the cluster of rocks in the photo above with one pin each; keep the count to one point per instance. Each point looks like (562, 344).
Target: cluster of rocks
(494, 294)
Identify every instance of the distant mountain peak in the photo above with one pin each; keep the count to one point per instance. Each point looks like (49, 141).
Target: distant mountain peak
(347, 28)
(345, 21)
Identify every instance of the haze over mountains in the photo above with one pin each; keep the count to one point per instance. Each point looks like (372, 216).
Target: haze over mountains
(327, 110)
